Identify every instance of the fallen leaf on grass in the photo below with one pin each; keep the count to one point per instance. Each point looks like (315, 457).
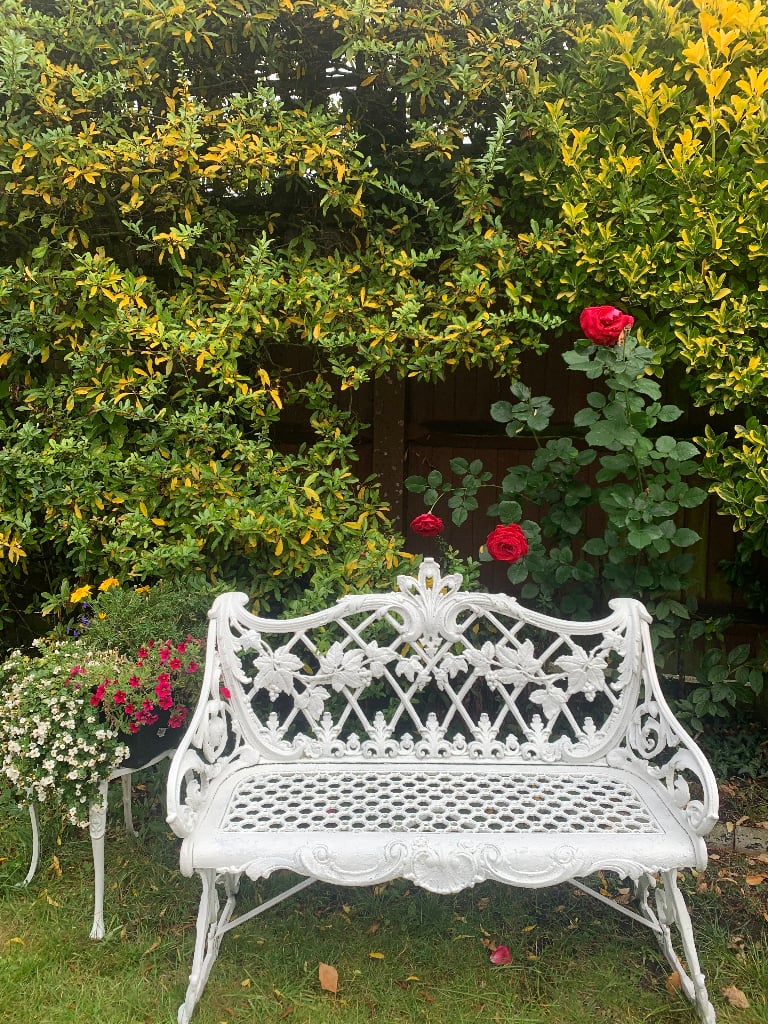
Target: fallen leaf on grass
(374, 955)
(329, 978)
(736, 997)
(150, 949)
(673, 983)
(755, 879)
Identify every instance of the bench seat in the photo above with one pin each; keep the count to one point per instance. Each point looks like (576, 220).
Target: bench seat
(574, 820)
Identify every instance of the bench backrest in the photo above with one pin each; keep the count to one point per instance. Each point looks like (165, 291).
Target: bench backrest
(427, 671)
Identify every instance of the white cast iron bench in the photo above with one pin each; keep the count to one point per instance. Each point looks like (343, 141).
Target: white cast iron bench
(442, 737)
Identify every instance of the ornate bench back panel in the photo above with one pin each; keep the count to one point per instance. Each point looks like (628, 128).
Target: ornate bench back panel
(427, 671)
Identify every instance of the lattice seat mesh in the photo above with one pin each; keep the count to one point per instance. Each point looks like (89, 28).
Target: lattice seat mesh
(437, 801)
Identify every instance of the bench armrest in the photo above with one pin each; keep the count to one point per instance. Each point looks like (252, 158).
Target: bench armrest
(656, 744)
(200, 756)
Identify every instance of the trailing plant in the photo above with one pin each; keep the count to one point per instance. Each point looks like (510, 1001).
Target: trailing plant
(55, 745)
(74, 705)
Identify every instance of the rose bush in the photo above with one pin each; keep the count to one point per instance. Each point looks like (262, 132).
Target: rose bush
(427, 525)
(507, 543)
(605, 325)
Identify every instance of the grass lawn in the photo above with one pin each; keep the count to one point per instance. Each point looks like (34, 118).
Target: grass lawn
(402, 954)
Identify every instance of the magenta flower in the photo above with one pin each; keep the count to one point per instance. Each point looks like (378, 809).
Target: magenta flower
(501, 956)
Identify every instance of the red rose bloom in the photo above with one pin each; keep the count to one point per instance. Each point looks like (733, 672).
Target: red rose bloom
(605, 325)
(507, 543)
(427, 525)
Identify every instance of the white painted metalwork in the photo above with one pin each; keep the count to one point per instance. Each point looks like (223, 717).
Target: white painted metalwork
(97, 827)
(456, 737)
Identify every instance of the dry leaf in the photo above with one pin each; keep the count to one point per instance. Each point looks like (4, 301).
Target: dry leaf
(373, 928)
(763, 858)
(736, 997)
(755, 879)
(673, 983)
(375, 955)
(154, 946)
(761, 824)
(329, 978)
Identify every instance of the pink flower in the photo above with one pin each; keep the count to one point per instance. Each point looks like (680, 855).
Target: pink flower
(507, 543)
(133, 727)
(164, 655)
(98, 694)
(175, 663)
(224, 691)
(427, 525)
(181, 648)
(119, 697)
(501, 956)
(143, 653)
(129, 709)
(192, 667)
(178, 718)
(164, 679)
(134, 681)
(605, 325)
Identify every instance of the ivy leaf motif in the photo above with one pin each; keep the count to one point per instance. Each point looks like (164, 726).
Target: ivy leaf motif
(312, 701)
(518, 666)
(378, 658)
(551, 699)
(344, 669)
(275, 671)
(585, 672)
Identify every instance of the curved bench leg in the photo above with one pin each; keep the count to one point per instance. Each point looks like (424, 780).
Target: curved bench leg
(672, 910)
(207, 942)
(35, 858)
(97, 826)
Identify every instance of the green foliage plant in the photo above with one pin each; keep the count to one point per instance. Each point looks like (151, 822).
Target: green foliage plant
(650, 154)
(217, 222)
(616, 464)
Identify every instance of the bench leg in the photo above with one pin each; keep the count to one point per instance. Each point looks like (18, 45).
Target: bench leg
(211, 927)
(672, 910)
(97, 826)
